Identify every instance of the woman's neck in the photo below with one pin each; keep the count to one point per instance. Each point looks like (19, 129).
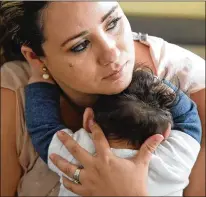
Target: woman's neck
(81, 100)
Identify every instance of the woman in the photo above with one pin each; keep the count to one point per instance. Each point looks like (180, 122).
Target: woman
(88, 48)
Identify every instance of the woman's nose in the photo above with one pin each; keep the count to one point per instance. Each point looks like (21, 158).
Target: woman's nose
(108, 51)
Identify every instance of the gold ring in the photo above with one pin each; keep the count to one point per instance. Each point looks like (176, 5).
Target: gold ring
(76, 175)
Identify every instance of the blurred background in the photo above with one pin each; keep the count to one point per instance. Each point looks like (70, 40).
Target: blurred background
(181, 23)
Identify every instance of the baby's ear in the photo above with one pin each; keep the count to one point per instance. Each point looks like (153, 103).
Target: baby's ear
(88, 115)
(167, 132)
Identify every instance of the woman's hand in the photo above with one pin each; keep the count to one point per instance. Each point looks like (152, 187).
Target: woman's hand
(105, 174)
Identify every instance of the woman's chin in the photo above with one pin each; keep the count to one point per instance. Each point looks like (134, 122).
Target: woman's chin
(116, 88)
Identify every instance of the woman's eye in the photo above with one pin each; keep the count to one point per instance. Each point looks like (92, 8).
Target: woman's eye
(80, 47)
(113, 24)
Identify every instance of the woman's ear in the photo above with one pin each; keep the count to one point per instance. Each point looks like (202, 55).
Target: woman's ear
(88, 115)
(31, 57)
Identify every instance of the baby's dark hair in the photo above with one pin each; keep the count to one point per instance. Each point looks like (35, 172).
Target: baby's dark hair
(138, 112)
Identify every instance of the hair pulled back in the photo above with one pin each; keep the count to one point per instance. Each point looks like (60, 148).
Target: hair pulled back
(21, 22)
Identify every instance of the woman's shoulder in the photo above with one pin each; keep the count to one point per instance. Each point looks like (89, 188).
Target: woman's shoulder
(15, 74)
(174, 60)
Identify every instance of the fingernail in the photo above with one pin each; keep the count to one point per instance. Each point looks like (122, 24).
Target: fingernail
(61, 134)
(51, 156)
(91, 123)
(158, 138)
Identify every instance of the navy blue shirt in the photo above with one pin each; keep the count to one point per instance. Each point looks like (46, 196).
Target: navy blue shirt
(42, 112)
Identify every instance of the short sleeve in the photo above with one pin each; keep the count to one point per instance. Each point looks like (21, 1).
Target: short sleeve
(176, 62)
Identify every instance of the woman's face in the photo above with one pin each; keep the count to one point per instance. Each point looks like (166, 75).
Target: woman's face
(89, 46)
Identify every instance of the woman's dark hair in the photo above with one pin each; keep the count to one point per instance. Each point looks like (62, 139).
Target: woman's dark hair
(140, 111)
(21, 22)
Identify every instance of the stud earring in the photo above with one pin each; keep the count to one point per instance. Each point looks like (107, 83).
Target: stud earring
(45, 75)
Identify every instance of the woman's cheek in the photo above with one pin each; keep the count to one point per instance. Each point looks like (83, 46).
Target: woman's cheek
(126, 33)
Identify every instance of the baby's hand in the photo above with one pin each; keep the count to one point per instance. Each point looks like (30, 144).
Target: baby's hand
(37, 76)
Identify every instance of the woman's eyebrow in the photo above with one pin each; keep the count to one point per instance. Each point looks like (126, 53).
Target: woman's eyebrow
(109, 13)
(83, 33)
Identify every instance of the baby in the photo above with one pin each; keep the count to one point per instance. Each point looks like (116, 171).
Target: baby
(145, 108)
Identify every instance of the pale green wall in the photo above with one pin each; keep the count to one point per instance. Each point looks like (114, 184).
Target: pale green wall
(193, 10)
(166, 9)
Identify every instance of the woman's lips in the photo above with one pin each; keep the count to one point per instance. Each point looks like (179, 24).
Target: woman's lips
(116, 75)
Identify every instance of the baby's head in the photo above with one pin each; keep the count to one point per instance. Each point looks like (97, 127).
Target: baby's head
(138, 112)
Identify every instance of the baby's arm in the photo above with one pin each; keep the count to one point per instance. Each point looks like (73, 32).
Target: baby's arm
(185, 115)
(42, 114)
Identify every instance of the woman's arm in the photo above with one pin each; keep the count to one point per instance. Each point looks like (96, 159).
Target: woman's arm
(197, 177)
(10, 167)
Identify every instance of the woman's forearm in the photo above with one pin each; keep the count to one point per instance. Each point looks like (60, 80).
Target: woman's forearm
(196, 186)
